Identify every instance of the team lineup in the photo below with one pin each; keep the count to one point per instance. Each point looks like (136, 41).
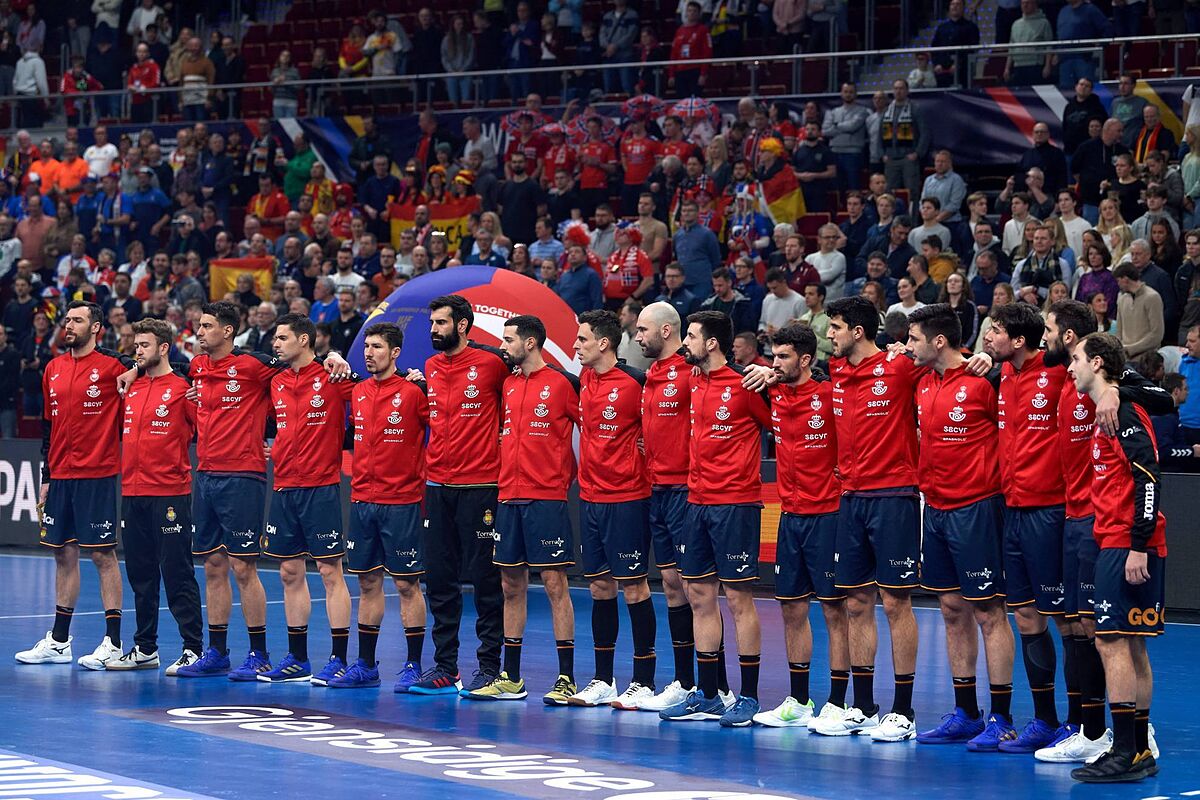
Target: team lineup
(1037, 467)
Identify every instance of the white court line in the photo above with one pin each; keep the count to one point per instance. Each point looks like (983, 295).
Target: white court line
(1190, 794)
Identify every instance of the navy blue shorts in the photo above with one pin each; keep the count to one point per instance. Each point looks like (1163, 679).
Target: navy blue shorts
(668, 514)
(227, 513)
(962, 549)
(1079, 565)
(804, 557)
(615, 539)
(81, 511)
(1121, 607)
(536, 533)
(1033, 558)
(385, 537)
(879, 540)
(305, 522)
(721, 541)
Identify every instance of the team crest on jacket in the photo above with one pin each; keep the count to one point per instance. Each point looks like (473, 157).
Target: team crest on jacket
(545, 394)
(472, 374)
(488, 516)
(316, 384)
(1042, 381)
(161, 411)
(878, 369)
(723, 413)
(541, 410)
(317, 401)
(880, 388)
(171, 515)
(396, 400)
(232, 372)
(815, 405)
(93, 391)
(95, 376)
(816, 422)
(612, 396)
(609, 412)
(957, 414)
(961, 395)
(672, 374)
(670, 390)
(1039, 399)
(472, 391)
(1095, 451)
(233, 386)
(394, 418)
(1080, 411)
(726, 395)
(166, 395)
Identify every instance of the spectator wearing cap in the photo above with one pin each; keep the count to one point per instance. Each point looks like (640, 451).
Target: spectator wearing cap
(749, 232)
(559, 154)
(629, 272)
(579, 285)
(149, 211)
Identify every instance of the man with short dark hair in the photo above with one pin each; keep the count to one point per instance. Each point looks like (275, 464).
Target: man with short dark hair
(675, 293)
(696, 248)
(348, 322)
(733, 304)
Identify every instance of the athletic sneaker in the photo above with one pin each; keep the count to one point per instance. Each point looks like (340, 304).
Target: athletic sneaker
(1154, 751)
(829, 713)
(852, 722)
(188, 658)
(135, 659)
(956, 728)
(212, 664)
(100, 658)
(479, 679)
(501, 689)
(1113, 767)
(1065, 731)
(694, 707)
(894, 728)
(257, 662)
(596, 693)
(672, 695)
(791, 713)
(1074, 748)
(47, 651)
(407, 677)
(359, 675)
(741, 715)
(290, 670)
(1033, 737)
(631, 699)
(999, 729)
(435, 681)
(727, 698)
(560, 693)
(331, 670)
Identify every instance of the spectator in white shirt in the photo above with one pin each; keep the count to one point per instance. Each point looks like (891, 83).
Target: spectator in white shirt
(829, 262)
(906, 287)
(101, 155)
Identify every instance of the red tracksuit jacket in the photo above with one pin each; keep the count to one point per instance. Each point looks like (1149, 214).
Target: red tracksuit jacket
(390, 419)
(612, 468)
(957, 415)
(83, 409)
(464, 416)
(666, 403)
(159, 425)
(537, 461)
(310, 415)
(805, 447)
(876, 424)
(725, 448)
(232, 417)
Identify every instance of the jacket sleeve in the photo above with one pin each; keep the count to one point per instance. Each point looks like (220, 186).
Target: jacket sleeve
(1139, 450)
(1134, 388)
(45, 449)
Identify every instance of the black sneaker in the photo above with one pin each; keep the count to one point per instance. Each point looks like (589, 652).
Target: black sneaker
(1114, 767)
(1146, 762)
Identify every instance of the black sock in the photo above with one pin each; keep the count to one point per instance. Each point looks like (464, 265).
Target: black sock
(1001, 699)
(1093, 686)
(62, 623)
(112, 626)
(258, 637)
(298, 641)
(706, 667)
(645, 628)
(864, 689)
(1071, 677)
(566, 657)
(1141, 729)
(749, 668)
(1124, 726)
(683, 644)
(368, 638)
(798, 672)
(341, 643)
(605, 624)
(512, 657)
(722, 671)
(964, 696)
(218, 637)
(415, 639)
(1037, 650)
(839, 682)
(902, 704)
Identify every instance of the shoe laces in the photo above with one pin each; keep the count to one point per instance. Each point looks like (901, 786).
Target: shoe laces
(562, 684)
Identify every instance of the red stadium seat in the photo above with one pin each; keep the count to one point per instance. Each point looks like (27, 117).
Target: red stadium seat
(809, 224)
(305, 30)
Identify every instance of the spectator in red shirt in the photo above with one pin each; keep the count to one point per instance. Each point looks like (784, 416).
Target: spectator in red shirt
(76, 81)
(143, 75)
(674, 144)
(692, 43)
(529, 142)
(598, 163)
(639, 156)
(630, 272)
(558, 154)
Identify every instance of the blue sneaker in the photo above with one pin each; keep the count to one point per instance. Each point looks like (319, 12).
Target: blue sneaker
(359, 675)
(480, 679)
(956, 728)
(288, 671)
(741, 713)
(696, 706)
(999, 729)
(335, 668)
(1036, 735)
(437, 681)
(407, 677)
(256, 663)
(212, 664)
(1064, 732)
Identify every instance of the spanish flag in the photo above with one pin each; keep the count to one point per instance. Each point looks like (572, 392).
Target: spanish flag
(223, 274)
(449, 217)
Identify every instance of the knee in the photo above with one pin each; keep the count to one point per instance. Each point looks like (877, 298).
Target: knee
(897, 604)
(331, 573)
(372, 585)
(408, 590)
(292, 572)
(990, 616)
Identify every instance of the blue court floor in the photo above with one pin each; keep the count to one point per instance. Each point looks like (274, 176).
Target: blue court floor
(68, 732)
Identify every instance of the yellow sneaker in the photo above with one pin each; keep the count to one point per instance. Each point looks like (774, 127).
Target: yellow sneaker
(564, 687)
(501, 689)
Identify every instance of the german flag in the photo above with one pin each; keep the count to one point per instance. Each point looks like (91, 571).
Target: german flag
(780, 197)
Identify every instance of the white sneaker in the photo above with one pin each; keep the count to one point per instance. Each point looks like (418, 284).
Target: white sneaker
(728, 698)
(631, 699)
(1075, 748)
(47, 651)
(894, 728)
(1153, 745)
(186, 660)
(135, 659)
(829, 713)
(99, 658)
(853, 721)
(672, 695)
(791, 713)
(596, 693)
